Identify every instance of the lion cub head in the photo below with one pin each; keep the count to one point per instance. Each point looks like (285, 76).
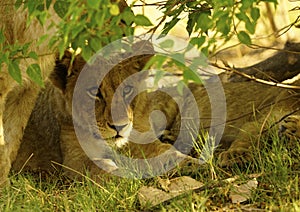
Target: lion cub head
(100, 96)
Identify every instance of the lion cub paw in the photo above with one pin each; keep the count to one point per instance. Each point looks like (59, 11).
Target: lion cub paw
(174, 161)
(189, 165)
(237, 155)
(290, 127)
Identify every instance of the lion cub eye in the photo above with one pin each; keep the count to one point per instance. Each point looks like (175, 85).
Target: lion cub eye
(93, 92)
(127, 91)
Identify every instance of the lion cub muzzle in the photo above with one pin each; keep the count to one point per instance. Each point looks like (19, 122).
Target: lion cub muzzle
(122, 133)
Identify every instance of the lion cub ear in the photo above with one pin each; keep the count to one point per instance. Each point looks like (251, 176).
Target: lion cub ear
(64, 68)
(145, 51)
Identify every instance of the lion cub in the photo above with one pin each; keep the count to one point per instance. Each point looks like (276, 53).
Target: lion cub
(60, 128)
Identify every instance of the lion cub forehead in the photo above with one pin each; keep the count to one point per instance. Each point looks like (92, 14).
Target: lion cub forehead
(99, 71)
(120, 78)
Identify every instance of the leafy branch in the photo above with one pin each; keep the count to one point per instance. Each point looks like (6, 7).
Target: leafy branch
(91, 24)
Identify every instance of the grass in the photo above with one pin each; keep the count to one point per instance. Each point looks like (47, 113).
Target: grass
(277, 167)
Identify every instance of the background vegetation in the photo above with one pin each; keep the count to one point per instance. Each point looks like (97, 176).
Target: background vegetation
(91, 24)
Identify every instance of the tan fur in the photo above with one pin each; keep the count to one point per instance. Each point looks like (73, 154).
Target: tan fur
(16, 102)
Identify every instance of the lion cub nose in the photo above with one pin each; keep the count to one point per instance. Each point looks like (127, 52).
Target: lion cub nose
(119, 128)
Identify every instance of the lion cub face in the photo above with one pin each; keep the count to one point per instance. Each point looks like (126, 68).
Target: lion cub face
(106, 100)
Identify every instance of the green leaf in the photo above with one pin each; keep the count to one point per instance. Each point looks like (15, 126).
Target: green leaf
(48, 3)
(178, 58)
(246, 4)
(31, 5)
(80, 41)
(189, 74)
(42, 17)
(18, 4)
(167, 44)
(180, 86)
(53, 41)
(128, 31)
(35, 73)
(128, 16)
(197, 62)
(33, 55)
(5, 58)
(205, 51)
(204, 22)
(219, 13)
(15, 71)
(61, 8)
(2, 38)
(114, 10)
(169, 25)
(191, 22)
(95, 43)
(255, 14)
(223, 25)
(230, 3)
(196, 41)
(158, 75)
(158, 60)
(42, 39)
(176, 12)
(244, 38)
(142, 20)
(23, 48)
(192, 4)
(61, 49)
(76, 30)
(86, 53)
(250, 27)
(40, 7)
(242, 16)
(93, 3)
